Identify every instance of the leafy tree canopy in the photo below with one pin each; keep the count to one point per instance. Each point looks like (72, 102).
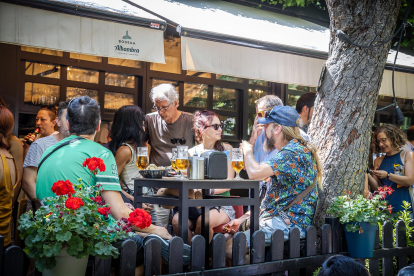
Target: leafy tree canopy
(408, 40)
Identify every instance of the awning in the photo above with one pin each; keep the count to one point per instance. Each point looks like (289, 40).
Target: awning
(227, 38)
(109, 28)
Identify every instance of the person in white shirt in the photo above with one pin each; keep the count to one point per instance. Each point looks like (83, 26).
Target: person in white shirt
(409, 146)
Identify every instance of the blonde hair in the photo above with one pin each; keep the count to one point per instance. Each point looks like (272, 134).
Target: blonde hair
(290, 133)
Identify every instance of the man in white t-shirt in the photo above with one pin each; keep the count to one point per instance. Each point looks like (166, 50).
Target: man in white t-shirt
(38, 147)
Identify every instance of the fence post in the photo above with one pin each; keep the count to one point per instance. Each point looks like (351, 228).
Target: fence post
(198, 251)
(337, 234)
(257, 247)
(276, 248)
(218, 251)
(175, 262)
(401, 242)
(294, 248)
(310, 246)
(412, 240)
(128, 258)
(326, 239)
(13, 261)
(239, 249)
(374, 263)
(102, 267)
(387, 242)
(152, 257)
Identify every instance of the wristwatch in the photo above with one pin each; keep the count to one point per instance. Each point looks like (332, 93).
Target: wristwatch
(388, 176)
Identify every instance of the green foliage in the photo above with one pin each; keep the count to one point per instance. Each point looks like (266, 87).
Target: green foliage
(316, 272)
(352, 211)
(83, 231)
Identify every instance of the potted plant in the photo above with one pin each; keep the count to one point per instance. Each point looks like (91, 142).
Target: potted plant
(73, 225)
(360, 218)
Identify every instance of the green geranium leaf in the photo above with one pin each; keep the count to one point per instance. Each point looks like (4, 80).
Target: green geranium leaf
(75, 245)
(65, 236)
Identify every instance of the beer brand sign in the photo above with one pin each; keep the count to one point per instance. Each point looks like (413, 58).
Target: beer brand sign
(125, 45)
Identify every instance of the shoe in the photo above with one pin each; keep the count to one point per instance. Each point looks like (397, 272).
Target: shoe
(165, 245)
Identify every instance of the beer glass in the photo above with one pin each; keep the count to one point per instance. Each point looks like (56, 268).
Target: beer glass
(182, 162)
(173, 159)
(142, 158)
(237, 162)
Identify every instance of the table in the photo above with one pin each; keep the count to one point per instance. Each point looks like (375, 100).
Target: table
(183, 202)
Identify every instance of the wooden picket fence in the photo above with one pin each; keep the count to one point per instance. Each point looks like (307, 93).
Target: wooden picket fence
(298, 257)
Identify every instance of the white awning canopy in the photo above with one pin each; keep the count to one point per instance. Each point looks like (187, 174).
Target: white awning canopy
(54, 30)
(227, 38)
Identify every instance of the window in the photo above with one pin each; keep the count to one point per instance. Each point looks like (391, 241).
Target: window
(83, 75)
(172, 50)
(195, 95)
(120, 80)
(229, 125)
(73, 92)
(228, 78)
(125, 62)
(114, 101)
(224, 98)
(259, 82)
(198, 74)
(42, 70)
(85, 57)
(41, 94)
(42, 51)
(295, 91)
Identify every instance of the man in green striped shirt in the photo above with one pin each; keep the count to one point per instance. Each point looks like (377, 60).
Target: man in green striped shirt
(66, 163)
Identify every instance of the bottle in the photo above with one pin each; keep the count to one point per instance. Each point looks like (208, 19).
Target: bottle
(31, 140)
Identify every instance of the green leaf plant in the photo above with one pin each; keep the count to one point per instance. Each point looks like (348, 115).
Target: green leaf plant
(83, 228)
(353, 211)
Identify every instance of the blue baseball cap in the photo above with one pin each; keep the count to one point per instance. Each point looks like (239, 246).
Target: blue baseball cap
(282, 115)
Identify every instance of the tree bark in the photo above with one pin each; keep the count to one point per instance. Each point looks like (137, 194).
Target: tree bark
(347, 95)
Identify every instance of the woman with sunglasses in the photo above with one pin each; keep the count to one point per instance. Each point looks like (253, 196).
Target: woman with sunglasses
(208, 129)
(395, 169)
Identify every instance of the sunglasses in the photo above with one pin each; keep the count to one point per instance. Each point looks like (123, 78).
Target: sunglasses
(262, 113)
(216, 126)
(182, 141)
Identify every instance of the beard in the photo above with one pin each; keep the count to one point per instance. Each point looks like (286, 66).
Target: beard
(270, 143)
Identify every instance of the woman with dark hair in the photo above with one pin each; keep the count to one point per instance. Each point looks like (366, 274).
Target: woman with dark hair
(127, 135)
(342, 266)
(16, 150)
(9, 174)
(208, 129)
(395, 169)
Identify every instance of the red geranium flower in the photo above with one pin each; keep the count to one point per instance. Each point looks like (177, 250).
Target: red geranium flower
(63, 188)
(94, 163)
(105, 211)
(140, 218)
(390, 209)
(74, 203)
(98, 200)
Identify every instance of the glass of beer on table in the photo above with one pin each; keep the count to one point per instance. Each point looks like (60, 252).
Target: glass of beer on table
(142, 158)
(173, 159)
(237, 162)
(182, 162)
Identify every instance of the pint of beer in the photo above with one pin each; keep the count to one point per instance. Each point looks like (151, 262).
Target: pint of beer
(237, 162)
(142, 158)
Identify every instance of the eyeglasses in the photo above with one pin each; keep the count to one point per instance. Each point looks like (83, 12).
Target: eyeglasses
(383, 140)
(216, 126)
(262, 113)
(182, 141)
(161, 109)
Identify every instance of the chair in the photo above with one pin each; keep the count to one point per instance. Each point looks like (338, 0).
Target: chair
(239, 213)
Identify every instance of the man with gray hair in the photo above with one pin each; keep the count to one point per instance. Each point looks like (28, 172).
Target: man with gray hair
(167, 127)
(263, 150)
(164, 130)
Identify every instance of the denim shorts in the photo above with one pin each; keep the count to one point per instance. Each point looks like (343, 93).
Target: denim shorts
(268, 226)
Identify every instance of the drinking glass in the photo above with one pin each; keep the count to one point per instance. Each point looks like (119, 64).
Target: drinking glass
(182, 162)
(142, 158)
(173, 159)
(237, 162)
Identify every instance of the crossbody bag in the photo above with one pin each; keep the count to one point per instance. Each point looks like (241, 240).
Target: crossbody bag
(55, 149)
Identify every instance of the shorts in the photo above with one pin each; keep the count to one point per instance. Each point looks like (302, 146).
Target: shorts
(268, 226)
(194, 213)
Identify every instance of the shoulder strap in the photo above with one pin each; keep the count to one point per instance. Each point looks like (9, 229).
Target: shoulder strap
(58, 147)
(300, 196)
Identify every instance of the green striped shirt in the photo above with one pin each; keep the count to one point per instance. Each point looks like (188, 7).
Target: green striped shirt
(67, 163)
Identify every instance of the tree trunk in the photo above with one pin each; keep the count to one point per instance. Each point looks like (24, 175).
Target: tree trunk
(347, 95)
